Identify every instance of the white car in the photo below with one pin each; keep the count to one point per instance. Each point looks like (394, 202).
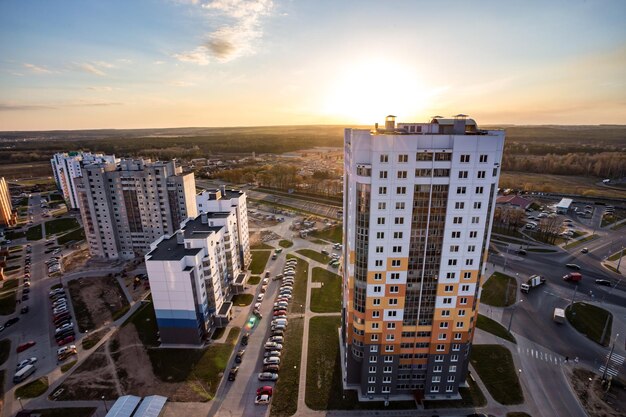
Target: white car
(25, 362)
(273, 360)
(262, 399)
(64, 349)
(273, 346)
(276, 339)
(64, 327)
(260, 297)
(257, 306)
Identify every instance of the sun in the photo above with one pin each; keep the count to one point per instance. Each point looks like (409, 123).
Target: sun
(365, 91)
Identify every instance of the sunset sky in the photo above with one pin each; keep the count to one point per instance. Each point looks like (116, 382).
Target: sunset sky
(166, 63)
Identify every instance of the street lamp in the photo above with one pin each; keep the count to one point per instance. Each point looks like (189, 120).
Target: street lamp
(19, 399)
(105, 404)
(512, 314)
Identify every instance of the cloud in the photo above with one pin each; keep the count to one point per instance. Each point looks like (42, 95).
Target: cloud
(37, 69)
(159, 62)
(23, 107)
(100, 88)
(37, 106)
(182, 83)
(89, 68)
(236, 36)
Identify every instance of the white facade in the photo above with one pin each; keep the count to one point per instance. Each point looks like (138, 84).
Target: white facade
(68, 166)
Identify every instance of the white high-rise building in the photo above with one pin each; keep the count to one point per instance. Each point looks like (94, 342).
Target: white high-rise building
(224, 200)
(128, 205)
(67, 166)
(192, 273)
(418, 207)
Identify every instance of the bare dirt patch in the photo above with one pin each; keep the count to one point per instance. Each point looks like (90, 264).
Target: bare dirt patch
(96, 301)
(91, 380)
(597, 401)
(76, 260)
(137, 291)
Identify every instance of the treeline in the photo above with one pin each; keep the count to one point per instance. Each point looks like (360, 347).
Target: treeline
(605, 164)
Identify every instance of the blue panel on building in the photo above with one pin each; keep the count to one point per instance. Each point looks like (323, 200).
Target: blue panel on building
(178, 323)
(175, 314)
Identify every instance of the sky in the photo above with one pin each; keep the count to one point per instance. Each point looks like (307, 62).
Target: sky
(87, 64)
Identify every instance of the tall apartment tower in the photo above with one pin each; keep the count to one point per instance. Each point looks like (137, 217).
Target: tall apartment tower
(68, 165)
(8, 217)
(418, 209)
(224, 200)
(126, 206)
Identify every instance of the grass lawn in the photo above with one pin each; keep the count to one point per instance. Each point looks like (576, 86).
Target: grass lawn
(75, 235)
(471, 397)
(34, 233)
(243, 299)
(581, 241)
(299, 287)
(590, 321)
(13, 235)
(285, 243)
(261, 245)
(57, 226)
(93, 339)
(5, 350)
(145, 323)
(507, 232)
(12, 268)
(333, 234)
(67, 366)
(32, 389)
(499, 290)
(615, 256)
(323, 376)
(316, 256)
(493, 327)
(328, 298)
(201, 369)
(8, 297)
(285, 401)
(259, 260)
(217, 333)
(254, 279)
(65, 412)
(494, 364)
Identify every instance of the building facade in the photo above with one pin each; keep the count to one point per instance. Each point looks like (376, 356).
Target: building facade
(190, 273)
(68, 166)
(223, 200)
(418, 208)
(8, 218)
(126, 206)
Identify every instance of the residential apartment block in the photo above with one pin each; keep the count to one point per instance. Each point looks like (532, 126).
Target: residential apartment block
(68, 166)
(125, 206)
(8, 218)
(192, 273)
(418, 208)
(223, 200)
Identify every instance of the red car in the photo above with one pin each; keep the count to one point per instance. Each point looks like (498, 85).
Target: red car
(265, 390)
(65, 341)
(24, 346)
(280, 313)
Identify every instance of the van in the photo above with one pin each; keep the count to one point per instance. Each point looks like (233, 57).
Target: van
(24, 373)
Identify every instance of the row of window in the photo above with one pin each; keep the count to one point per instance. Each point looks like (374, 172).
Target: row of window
(437, 156)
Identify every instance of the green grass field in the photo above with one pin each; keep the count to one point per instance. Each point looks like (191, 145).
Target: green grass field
(316, 256)
(254, 279)
(495, 328)
(326, 299)
(5, 350)
(284, 243)
(300, 286)
(261, 245)
(333, 234)
(243, 299)
(471, 397)
(259, 260)
(285, 398)
(8, 297)
(57, 226)
(34, 233)
(32, 389)
(75, 235)
(494, 364)
(499, 290)
(590, 321)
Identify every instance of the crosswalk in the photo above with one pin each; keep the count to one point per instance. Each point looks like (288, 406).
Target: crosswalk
(614, 363)
(542, 356)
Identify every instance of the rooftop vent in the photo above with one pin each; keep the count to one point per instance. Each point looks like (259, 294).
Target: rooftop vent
(390, 123)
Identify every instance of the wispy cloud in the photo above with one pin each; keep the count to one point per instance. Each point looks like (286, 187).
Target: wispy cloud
(182, 83)
(95, 67)
(37, 106)
(237, 35)
(102, 88)
(37, 69)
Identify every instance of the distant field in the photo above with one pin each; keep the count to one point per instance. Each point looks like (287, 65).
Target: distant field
(558, 184)
(26, 170)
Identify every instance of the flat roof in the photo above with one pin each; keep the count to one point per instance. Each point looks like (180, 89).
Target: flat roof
(171, 250)
(195, 228)
(225, 308)
(565, 203)
(151, 406)
(124, 406)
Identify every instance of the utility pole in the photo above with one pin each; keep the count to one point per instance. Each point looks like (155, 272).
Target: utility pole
(511, 319)
(606, 326)
(574, 295)
(619, 262)
(507, 255)
(608, 358)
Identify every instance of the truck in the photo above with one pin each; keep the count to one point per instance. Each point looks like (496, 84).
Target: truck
(573, 277)
(533, 281)
(559, 315)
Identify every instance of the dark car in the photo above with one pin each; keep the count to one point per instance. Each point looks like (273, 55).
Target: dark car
(244, 339)
(604, 282)
(65, 340)
(24, 310)
(25, 297)
(11, 322)
(239, 356)
(271, 368)
(522, 252)
(232, 375)
(64, 333)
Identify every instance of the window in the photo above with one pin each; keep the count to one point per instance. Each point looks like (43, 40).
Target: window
(475, 220)
(461, 190)
(483, 158)
(459, 324)
(390, 337)
(393, 301)
(424, 156)
(452, 368)
(392, 313)
(479, 190)
(382, 190)
(435, 388)
(445, 313)
(399, 205)
(481, 174)
(454, 358)
(448, 288)
(378, 262)
(391, 326)
(373, 359)
(400, 190)
(456, 347)
(371, 379)
(495, 172)
(374, 348)
(371, 390)
(438, 358)
(449, 388)
(394, 289)
(477, 205)
(399, 220)
(397, 249)
(372, 369)
(382, 175)
(437, 368)
(378, 276)
(467, 275)
(384, 158)
(465, 287)
(457, 336)
(454, 248)
(375, 314)
(386, 389)
(388, 348)
(459, 205)
(382, 205)
(380, 235)
(441, 172)
(395, 262)
(375, 326)
(401, 175)
(462, 174)
(458, 220)
(403, 158)
(380, 220)
(465, 158)
(443, 325)
(423, 172)
(463, 300)
(394, 275)
(374, 339)
(442, 156)
(376, 301)
(387, 369)
(473, 234)
(469, 262)
(447, 300)
(442, 336)
(450, 275)
(456, 235)
(397, 235)
(377, 288)
(441, 347)
(379, 249)
(451, 262)
(436, 379)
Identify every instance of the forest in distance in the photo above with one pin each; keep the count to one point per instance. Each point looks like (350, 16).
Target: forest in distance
(592, 151)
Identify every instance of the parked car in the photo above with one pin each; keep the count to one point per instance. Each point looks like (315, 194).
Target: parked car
(239, 356)
(10, 322)
(244, 339)
(270, 353)
(262, 399)
(276, 339)
(264, 390)
(584, 250)
(24, 346)
(25, 362)
(232, 375)
(65, 340)
(268, 376)
(273, 346)
(24, 310)
(271, 368)
(604, 282)
(64, 327)
(260, 297)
